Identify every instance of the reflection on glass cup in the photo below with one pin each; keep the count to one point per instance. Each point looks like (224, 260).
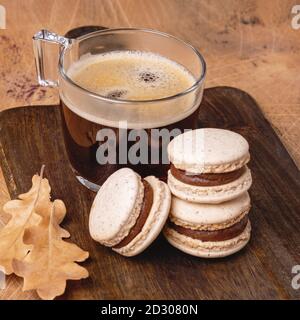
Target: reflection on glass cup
(108, 129)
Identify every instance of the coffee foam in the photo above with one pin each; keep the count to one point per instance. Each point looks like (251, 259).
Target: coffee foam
(135, 115)
(131, 75)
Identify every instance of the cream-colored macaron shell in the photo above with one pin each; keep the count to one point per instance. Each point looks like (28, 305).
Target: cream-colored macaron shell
(198, 248)
(156, 219)
(214, 194)
(209, 217)
(116, 207)
(209, 150)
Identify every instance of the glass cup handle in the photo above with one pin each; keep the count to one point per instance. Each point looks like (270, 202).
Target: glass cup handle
(45, 73)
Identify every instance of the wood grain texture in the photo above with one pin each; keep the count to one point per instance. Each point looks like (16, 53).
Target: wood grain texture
(247, 44)
(32, 136)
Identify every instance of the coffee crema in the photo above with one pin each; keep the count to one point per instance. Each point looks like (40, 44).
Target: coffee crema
(131, 75)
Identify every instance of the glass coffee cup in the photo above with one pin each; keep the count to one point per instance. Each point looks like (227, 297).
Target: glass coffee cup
(104, 132)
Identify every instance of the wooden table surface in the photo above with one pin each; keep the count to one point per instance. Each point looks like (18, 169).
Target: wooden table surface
(247, 44)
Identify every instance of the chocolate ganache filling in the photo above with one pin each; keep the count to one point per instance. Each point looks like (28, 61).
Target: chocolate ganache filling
(206, 179)
(216, 235)
(144, 213)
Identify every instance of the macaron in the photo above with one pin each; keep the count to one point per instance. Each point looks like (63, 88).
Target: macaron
(209, 230)
(129, 212)
(209, 165)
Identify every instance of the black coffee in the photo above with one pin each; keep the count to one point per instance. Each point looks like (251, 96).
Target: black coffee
(126, 75)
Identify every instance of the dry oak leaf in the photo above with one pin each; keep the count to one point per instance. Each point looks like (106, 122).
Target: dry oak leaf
(23, 214)
(51, 262)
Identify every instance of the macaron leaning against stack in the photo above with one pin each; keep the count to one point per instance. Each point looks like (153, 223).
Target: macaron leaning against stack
(209, 165)
(129, 212)
(209, 230)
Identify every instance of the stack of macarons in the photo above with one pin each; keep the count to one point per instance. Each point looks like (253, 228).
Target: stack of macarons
(209, 179)
(207, 213)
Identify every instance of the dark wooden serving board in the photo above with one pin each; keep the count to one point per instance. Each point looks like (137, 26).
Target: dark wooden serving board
(31, 136)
